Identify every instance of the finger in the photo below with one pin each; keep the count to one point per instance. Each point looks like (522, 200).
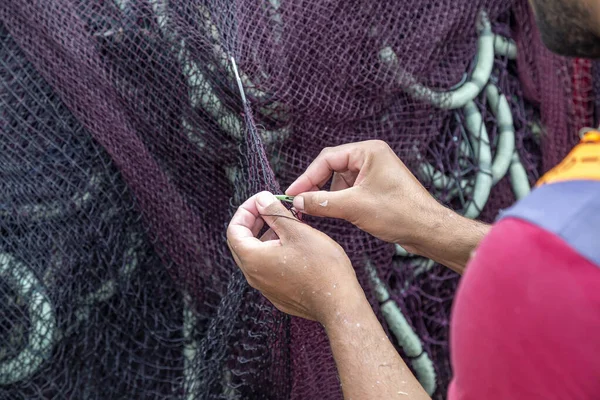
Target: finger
(304, 184)
(244, 220)
(258, 225)
(279, 218)
(338, 204)
(343, 180)
(347, 157)
(240, 236)
(269, 235)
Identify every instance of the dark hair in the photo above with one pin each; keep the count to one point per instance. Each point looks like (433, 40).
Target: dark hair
(566, 28)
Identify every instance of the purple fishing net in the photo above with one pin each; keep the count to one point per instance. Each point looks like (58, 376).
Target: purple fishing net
(125, 146)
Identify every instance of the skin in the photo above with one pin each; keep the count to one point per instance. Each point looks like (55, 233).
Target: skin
(305, 273)
(366, 176)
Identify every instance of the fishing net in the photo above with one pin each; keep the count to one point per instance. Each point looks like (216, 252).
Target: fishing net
(126, 144)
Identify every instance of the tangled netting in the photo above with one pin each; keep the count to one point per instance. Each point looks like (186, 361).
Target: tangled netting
(125, 146)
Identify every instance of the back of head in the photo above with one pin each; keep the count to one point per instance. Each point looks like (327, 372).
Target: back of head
(569, 27)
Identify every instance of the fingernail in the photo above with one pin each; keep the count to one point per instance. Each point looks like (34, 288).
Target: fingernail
(291, 186)
(299, 203)
(265, 199)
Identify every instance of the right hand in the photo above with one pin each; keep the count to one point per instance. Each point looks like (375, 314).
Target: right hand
(372, 189)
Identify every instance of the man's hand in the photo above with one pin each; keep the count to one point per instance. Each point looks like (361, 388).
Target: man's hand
(305, 273)
(371, 188)
(300, 270)
(374, 190)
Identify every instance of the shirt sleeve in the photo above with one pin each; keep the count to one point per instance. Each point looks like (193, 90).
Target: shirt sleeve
(526, 319)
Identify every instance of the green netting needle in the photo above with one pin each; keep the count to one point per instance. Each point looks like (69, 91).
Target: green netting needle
(283, 197)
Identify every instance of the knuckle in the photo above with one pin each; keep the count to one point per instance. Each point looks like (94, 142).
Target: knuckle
(229, 233)
(326, 151)
(311, 201)
(251, 282)
(355, 152)
(380, 146)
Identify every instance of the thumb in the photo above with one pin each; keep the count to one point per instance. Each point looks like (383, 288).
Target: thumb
(337, 204)
(279, 218)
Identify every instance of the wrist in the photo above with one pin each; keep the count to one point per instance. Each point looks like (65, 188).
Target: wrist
(440, 224)
(449, 238)
(351, 303)
(434, 221)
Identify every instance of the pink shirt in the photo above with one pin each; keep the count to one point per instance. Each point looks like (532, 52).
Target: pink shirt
(526, 318)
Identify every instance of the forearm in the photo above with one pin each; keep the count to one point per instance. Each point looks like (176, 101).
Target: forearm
(449, 239)
(368, 364)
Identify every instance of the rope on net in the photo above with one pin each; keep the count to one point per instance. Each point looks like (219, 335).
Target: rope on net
(489, 172)
(506, 159)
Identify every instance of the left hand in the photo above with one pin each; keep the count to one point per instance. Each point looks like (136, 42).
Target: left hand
(302, 271)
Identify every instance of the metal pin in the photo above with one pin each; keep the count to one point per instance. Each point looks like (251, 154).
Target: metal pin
(239, 81)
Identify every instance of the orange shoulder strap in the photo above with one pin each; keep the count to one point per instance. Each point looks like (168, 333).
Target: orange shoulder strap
(582, 163)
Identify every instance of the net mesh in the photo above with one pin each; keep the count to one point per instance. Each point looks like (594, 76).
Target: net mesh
(125, 146)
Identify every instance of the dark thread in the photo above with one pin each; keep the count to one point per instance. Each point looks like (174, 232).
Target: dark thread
(417, 356)
(295, 218)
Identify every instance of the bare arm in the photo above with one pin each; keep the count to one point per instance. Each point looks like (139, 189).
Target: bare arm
(374, 190)
(305, 273)
(368, 364)
(450, 239)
